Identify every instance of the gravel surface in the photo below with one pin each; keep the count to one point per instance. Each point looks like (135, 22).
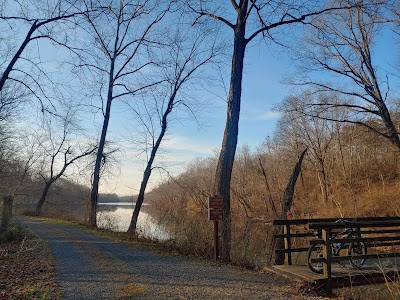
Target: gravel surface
(92, 267)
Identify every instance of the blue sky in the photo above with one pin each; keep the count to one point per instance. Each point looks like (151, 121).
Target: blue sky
(185, 140)
(262, 89)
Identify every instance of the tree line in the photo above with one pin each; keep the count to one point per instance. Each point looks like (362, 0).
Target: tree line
(347, 171)
(64, 61)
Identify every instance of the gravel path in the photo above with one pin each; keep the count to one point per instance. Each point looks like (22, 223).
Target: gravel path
(91, 267)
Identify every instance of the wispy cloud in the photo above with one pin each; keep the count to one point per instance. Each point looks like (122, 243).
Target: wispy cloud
(186, 144)
(269, 115)
(177, 152)
(261, 115)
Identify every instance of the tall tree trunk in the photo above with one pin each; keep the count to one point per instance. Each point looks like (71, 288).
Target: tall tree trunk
(42, 199)
(100, 151)
(287, 205)
(140, 199)
(229, 143)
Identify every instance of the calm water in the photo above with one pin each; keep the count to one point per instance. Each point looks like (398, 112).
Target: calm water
(120, 218)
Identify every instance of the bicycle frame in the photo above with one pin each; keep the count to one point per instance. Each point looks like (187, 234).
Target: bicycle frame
(335, 248)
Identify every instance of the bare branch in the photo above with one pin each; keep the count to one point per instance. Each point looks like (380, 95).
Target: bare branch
(293, 19)
(202, 13)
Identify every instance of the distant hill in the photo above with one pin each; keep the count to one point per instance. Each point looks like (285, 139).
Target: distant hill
(114, 198)
(108, 198)
(127, 198)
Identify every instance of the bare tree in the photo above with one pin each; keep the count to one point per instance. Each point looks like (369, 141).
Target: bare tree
(317, 133)
(18, 155)
(186, 53)
(39, 16)
(342, 46)
(118, 39)
(59, 153)
(251, 19)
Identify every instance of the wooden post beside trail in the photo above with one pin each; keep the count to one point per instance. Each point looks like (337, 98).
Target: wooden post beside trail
(216, 241)
(7, 211)
(215, 213)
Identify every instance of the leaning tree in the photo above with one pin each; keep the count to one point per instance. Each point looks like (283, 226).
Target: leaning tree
(185, 54)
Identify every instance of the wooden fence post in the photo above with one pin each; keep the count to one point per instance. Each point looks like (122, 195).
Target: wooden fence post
(326, 236)
(7, 212)
(279, 244)
(288, 245)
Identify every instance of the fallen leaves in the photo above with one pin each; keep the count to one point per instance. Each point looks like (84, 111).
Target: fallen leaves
(27, 270)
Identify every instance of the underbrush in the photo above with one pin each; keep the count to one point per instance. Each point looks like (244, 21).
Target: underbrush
(386, 291)
(13, 233)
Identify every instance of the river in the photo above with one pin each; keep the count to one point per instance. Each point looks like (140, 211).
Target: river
(118, 217)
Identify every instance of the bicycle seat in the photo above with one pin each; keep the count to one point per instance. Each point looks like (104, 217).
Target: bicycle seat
(346, 230)
(342, 221)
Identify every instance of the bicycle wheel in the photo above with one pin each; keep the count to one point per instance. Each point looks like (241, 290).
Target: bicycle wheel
(315, 251)
(357, 248)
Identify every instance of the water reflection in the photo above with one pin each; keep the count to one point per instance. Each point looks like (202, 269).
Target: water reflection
(118, 217)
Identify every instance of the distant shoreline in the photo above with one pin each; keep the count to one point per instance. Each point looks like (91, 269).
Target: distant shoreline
(120, 203)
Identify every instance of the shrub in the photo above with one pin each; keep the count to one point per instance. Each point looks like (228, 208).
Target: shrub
(15, 232)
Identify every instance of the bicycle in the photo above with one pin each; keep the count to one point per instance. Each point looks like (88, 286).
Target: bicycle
(355, 248)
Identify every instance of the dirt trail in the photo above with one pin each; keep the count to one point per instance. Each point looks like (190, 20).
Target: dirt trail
(91, 267)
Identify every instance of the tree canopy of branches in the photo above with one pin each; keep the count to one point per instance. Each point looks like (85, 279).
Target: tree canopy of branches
(341, 45)
(59, 152)
(40, 19)
(315, 132)
(117, 38)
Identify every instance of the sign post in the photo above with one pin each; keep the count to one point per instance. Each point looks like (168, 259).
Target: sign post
(215, 213)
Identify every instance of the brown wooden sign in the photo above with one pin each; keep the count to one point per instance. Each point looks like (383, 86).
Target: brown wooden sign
(215, 208)
(215, 215)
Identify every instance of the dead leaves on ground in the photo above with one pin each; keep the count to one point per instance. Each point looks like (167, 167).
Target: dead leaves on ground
(27, 270)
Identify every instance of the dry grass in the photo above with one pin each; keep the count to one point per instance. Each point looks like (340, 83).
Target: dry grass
(375, 292)
(131, 290)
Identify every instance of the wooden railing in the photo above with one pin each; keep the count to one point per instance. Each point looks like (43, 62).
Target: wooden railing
(375, 232)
